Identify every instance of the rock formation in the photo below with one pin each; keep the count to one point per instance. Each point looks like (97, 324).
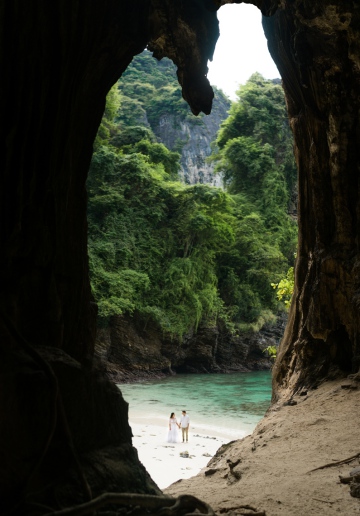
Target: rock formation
(315, 46)
(171, 120)
(57, 63)
(196, 142)
(64, 429)
(132, 349)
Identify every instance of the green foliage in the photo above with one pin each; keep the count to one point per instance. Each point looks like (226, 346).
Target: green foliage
(157, 153)
(285, 288)
(145, 70)
(244, 162)
(181, 254)
(112, 104)
(150, 92)
(254, 154)
(132, 112)
(131, 135)
(259, 113)
(259, 119)
(271, 352)
(246, 269)
(152, 242)
(107, 127)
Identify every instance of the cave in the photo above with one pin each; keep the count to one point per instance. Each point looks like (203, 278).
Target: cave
(64, 432)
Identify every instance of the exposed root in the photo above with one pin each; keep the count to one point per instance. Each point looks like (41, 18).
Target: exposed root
(338, 463)
(57, 412)
(253, 511)
(348, 480)
(184, 505)
(54, 390)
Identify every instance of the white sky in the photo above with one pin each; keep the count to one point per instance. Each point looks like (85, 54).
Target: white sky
(241, 49)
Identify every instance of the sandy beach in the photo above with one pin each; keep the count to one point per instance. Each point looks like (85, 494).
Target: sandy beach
(163, 460)
(222, 408)
(292, 463)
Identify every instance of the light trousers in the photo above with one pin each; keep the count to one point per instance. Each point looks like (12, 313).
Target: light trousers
(185, 433)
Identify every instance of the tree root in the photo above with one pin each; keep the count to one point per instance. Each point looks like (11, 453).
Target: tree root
(54, 390)
(184, 505)
(254, 512)
(338, 463)
(57, 412)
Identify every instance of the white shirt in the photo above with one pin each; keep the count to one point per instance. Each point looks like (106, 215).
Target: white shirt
(184, 421)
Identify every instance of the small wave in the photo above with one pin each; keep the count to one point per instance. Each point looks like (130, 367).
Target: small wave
(232, 433)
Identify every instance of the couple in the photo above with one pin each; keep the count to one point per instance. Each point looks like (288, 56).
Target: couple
(173, 435)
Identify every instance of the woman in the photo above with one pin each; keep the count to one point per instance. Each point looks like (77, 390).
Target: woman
(173, 435)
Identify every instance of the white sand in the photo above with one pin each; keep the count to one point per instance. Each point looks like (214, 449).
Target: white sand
(162, 459)
(290, 465)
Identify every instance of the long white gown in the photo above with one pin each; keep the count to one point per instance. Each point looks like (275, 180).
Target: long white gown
(173, 434)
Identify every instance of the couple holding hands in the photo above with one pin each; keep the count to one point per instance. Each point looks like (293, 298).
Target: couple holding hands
(174, 426)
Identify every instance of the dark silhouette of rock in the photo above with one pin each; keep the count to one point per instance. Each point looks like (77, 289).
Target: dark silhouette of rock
(321, 82)
(64, 429)
(132, 349)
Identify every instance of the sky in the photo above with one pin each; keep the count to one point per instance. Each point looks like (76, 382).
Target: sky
(241, 49)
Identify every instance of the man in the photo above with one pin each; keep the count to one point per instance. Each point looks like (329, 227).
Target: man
(185, 425)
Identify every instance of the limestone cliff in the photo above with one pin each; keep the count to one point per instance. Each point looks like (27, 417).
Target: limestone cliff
(152, 98)
(194, 137)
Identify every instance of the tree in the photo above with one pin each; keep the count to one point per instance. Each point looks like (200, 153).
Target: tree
(285, 287)
(153, 242)
(181, 254)
(254, 154)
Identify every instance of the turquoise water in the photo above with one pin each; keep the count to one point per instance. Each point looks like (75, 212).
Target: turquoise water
(228, 403)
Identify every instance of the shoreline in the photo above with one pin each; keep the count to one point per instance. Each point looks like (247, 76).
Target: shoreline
(292, 462)
(160, 425)
(221, 409)
(130, 377)
(163, 461)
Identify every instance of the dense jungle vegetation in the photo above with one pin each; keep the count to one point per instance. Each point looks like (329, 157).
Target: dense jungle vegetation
(180, 254)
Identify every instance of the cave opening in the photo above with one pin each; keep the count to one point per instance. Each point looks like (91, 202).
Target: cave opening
(185, 368)
(240, 27)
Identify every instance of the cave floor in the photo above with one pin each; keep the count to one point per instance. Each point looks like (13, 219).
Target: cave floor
(269, 472)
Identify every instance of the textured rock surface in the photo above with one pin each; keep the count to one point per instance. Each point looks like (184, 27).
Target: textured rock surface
(316, 47)
(131, 349)
(64, 418)
(195, 138)
(57, 65)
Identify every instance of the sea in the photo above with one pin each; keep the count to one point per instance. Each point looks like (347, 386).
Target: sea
(218, 404)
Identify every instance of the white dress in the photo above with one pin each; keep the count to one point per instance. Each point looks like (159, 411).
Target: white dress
(173, 434)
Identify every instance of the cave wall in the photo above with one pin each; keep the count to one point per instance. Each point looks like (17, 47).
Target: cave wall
(315, 45)
(64, 432)
(58, 442)
(57, 65)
